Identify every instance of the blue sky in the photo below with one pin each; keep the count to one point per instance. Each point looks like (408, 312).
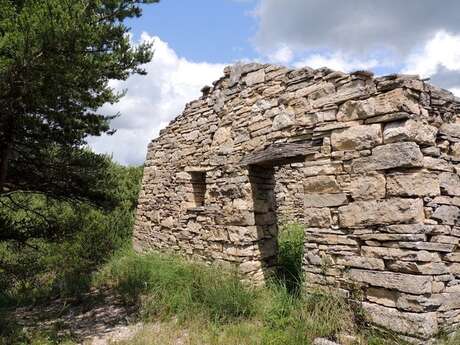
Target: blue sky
(202, 30)
(194, 40)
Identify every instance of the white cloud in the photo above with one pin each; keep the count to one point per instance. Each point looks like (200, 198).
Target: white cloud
(152, 101)
(439, 59)
(443, 50)
(412, 36)
(283, 55)
(455, 91)
(352, 25)
(336, 61)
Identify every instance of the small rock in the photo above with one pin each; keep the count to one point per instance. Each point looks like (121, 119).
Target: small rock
(324, 341)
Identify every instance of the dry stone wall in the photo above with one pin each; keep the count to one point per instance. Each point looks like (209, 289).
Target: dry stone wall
(370, 165)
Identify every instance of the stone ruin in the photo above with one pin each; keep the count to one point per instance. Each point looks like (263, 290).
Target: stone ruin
(370, 166)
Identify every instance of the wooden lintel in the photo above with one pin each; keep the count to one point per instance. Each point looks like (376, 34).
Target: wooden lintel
(280, 153)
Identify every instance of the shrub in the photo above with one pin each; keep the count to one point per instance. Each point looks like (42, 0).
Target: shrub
(39, 269)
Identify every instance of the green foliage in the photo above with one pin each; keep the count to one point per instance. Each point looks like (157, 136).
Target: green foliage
(91, 235)
(168, 285)
(291, 240)
(56, 60)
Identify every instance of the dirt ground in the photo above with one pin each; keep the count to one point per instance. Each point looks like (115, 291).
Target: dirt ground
(98, 318)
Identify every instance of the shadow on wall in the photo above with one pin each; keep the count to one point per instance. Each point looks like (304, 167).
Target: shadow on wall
(262, 180)
(281, 249)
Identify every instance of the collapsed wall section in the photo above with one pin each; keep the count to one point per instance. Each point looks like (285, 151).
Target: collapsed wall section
(376, 184)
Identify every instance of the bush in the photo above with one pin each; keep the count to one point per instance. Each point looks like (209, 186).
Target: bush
(39, 269)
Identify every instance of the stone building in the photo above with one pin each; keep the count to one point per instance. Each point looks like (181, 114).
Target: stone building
(370, 165)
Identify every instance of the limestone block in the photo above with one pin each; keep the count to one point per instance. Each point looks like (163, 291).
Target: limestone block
(417, 303)
(331, 239)
(454, 268)
(191, 136)
(282, 120)
(414, 184)
(321, 184)
(327, 114)
(445, 239)
(361, 262)
(447, 301)
(381, 296)
(435, 247)
(450, 129)
(365, 187)
(436, 164)
(316, 90)
(394, 101)
(410, 130)
(256, 77)
(432, 151)
(450, 183)
(387, 253)
(317, 217)
(455, 151)
(325, 200)
(415, 229)
(312, 258)
(430, 268)
(353, 110)
(414, 284)
(383, 237)
(397, 155)
(250, 266)
(168, 222)
(388, 211)
(390, 102)
(391, 117)
(221, 135)
(447, 215)
(258, 124)
(357, 137)
(329, 168)
(242, 234)
(452, 257)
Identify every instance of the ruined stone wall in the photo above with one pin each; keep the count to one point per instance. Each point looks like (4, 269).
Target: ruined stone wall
(377, 188)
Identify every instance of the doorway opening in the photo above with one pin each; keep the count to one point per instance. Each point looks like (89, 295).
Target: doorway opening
(281, 246)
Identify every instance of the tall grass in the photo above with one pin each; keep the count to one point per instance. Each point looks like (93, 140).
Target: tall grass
(290, 255)
(166, 285)
(214, 300)
(213, 307)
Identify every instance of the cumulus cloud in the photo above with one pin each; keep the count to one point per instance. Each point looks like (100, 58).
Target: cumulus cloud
(336, 61)
(152, 101)
(440, 60)
(353, 24)
(440, 52)
(283, 55)
(412, 36)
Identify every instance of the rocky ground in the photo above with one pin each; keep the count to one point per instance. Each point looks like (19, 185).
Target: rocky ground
(100, 319)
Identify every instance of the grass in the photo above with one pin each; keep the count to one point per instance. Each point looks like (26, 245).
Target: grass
(209, 305)
(166, 286)
(195, 303)
(291, 249)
